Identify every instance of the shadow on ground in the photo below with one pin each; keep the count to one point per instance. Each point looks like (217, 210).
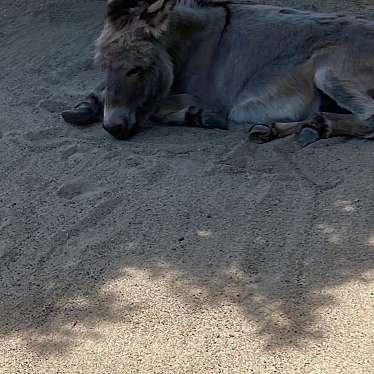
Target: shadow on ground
(271, 230)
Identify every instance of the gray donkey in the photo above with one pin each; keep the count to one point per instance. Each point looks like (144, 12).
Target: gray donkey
(207, 64)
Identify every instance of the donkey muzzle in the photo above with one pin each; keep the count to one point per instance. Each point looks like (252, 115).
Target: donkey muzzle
(119, 123)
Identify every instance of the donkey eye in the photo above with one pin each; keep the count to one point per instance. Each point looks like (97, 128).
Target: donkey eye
(134, 71)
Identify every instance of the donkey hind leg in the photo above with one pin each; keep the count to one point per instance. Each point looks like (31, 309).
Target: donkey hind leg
(88, 111)
(320, 126)
(332, 124)
(348, 93)
(186, 110)
(328, 125)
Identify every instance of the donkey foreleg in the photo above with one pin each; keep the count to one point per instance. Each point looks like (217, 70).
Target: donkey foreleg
(89, 110)
(187, 110)
(262, 133)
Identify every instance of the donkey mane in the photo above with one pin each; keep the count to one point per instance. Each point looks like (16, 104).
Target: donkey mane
(195, 3)
(119, 18)
(210, 3)
(119, 8)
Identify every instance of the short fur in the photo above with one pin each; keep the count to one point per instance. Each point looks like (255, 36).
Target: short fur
(252, 63)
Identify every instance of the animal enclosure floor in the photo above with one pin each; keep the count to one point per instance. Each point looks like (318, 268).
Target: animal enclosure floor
(180, 251)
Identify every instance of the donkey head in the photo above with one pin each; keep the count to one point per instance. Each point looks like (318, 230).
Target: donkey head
(138, 69)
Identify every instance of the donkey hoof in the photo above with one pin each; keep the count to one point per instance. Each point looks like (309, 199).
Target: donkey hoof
(196, 117)
(193, 116)
(261, 134)
(85, 113)
(213, 120)
(79, 116)
(307, 136)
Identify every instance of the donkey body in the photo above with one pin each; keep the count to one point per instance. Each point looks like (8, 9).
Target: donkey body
(283, 71)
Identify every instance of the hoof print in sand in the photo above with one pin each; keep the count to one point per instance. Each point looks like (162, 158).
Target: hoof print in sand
(73, 154)
(72, 189)
(52, 106)
(43, 135)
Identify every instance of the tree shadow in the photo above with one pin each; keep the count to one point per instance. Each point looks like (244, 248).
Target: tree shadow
(274, 245)
(271, 229)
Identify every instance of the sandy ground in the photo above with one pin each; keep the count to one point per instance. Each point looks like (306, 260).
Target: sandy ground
(179, 251)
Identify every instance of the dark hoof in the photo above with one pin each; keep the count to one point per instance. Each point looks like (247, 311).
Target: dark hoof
(261, 134)
(213, 120)
(307, 136)
(79, 117)
(196, 117)
(84, 113)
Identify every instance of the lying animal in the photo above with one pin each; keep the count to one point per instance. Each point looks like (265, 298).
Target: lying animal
(204, 63)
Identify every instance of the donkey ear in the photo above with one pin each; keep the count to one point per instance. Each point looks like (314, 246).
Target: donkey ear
(157, 16)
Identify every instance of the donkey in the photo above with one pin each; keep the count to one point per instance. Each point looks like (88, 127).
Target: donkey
(207, 64)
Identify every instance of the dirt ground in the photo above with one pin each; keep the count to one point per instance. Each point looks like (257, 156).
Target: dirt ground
(181, 250)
